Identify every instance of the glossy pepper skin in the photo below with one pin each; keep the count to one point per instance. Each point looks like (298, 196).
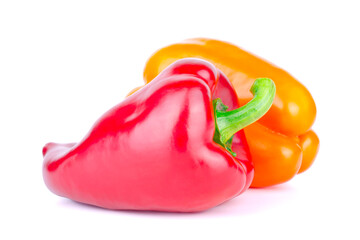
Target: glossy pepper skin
(277, 141)
(155, 150)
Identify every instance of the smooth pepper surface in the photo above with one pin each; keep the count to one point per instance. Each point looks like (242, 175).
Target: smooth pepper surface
(281, 143)
(155, 150)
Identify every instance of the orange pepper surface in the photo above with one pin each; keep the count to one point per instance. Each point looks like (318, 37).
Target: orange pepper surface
(281, 143)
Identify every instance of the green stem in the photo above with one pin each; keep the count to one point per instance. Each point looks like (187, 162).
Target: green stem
(228, 123)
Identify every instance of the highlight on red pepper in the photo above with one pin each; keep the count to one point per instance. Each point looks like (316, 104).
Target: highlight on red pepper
(167, 147)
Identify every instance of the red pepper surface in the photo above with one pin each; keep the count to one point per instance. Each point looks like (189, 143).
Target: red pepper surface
(155, 150)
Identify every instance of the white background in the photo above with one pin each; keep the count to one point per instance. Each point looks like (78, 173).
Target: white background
(64, 63)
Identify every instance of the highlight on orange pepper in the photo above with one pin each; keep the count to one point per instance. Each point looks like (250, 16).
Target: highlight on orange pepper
(309, 143)
(282, 143)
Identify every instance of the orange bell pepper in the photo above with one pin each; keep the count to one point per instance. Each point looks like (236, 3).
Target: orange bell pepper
(281, 143)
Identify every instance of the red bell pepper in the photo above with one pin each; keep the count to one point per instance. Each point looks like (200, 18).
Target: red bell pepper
(164, 148)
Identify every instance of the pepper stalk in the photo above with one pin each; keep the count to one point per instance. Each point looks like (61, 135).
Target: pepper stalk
(227, 123)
